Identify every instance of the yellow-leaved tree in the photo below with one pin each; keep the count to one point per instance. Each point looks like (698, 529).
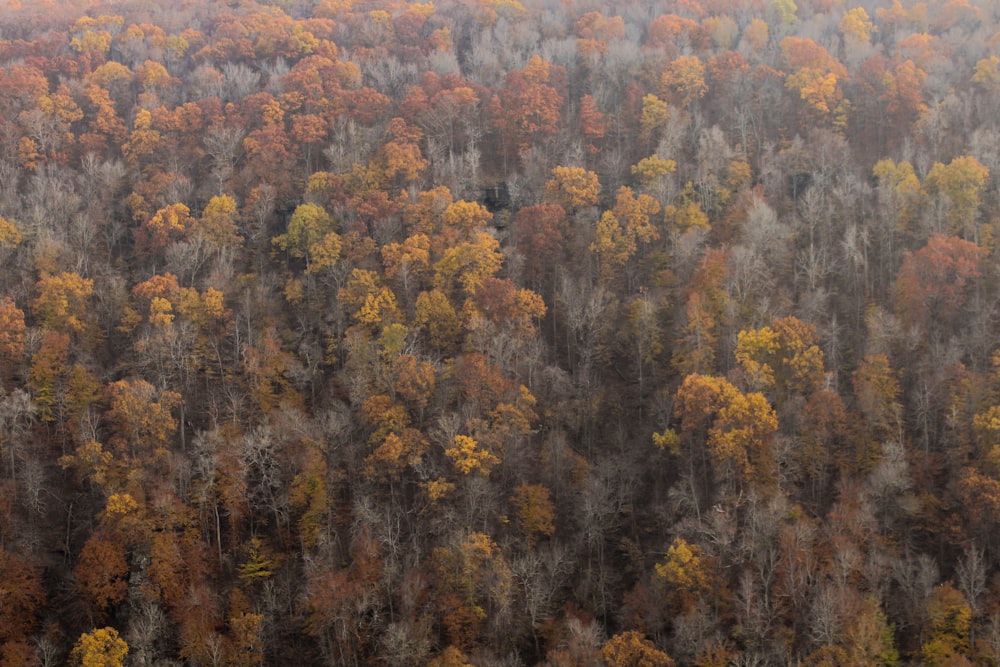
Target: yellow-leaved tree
(955, 190)
(684, 80)
(783, 357)
(736, 429)
(100, 648)
(949, 618)
(621, 230)
(307, 229)
(685, 574)
(217, 224)
(63, 301)
(141, 417)
(468, 263)
(632, 649)
(469, 457)
(573, 188)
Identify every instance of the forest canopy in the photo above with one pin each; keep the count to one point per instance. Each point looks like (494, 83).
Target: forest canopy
(499, 333)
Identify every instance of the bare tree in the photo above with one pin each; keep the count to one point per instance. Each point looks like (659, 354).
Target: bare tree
(17, 413)
(916, 577)
(240, 80)
(223, 144)
(540, 574)
(971, 574)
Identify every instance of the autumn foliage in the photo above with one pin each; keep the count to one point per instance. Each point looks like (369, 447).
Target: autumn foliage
(500, 332)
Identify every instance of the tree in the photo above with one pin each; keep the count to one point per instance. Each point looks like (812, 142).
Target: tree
(955, 188)
(102, 571)
(655, 114)
(757, 35)
(903, 94)
(877, 390)
(591, 122)
(10, 236)
(342, 605)
(141, 418)
(267, 148)
(900, 190)
(864, 637)
(94, 34)
(706, 309)
(267, 366)
(472, 581)
(22, 597)
(468, 264)
(167, 226)
(395, 444)
(870, 636)
(444, 221)
(856, 26)
(534, 511)
(685, 574)
(782, 14)
(217, 224)
(643, 316)
(933, 282)
(988, 73)
(695, 351)
(17, 416)
(449, 115)
(100, 648)
(415, 380)
(48, 374)
(949, 618)
(450, 657)
(308, 229)
(49, 124)
(573, 188)
(817, 77)
(540, 232)
(246, 632)
(632, 649)
(735, 427)
(817, 89)
(530, 104)
(672, 32)
(784, 356)
(469, 457)
(652, 171)
(596, 27)
(979, 495)
(63, 302)
(370, 302)
(436, 315)
(620, 230)
(12, 329)
(462, 218)
(143, 142)
(684, 80)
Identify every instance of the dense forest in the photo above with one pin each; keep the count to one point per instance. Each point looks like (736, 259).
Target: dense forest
(497, 333)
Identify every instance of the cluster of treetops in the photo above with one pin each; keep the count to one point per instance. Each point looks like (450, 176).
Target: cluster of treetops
(499, 333)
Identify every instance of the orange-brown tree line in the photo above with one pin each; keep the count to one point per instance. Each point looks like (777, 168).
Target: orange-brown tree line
(496, 333)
